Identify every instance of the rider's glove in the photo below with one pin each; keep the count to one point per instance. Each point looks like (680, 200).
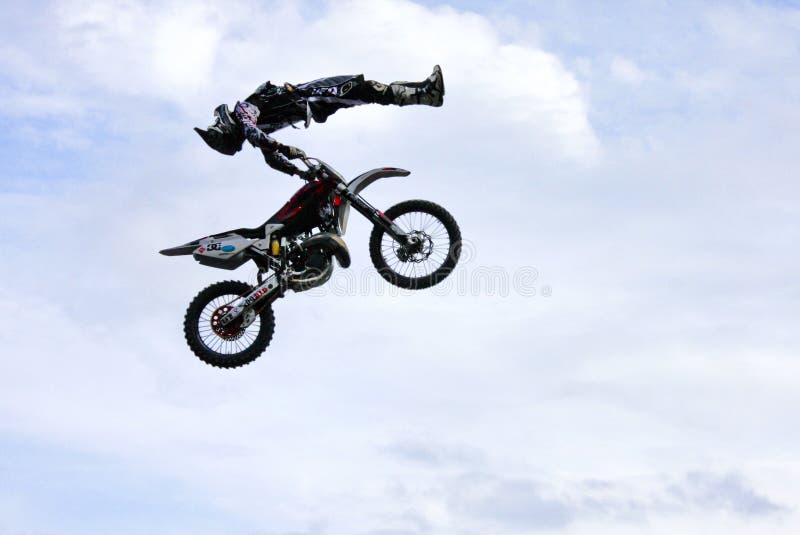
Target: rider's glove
(291, 152)
(308, 174)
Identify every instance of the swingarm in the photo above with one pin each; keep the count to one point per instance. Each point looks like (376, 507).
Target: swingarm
(270, 290)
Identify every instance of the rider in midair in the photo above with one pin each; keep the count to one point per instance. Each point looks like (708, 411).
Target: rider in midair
(271, 108)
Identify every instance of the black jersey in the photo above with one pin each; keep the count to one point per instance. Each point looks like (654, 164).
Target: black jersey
(281, 106)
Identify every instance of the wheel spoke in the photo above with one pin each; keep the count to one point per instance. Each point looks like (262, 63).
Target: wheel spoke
(429, 256)
(237, 342)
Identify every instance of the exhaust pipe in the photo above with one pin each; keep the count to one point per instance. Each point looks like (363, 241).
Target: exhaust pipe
(330, 243)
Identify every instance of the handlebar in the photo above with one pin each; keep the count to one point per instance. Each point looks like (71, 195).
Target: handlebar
(308, 161)
(320, 168)
(315, 169)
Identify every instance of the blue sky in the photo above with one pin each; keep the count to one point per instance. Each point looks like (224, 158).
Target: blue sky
(638, 157)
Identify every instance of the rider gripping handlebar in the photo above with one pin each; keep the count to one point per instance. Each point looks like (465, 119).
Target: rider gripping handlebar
(271, 108)
(275, 154)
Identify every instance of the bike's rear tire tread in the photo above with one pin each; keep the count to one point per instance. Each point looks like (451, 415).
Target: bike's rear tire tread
(192, 318)
(418, 283)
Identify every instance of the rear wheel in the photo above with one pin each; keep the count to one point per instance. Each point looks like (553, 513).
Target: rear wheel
(432, 256)
(232, 345)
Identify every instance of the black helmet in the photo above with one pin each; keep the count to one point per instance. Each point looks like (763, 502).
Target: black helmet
(225, 135)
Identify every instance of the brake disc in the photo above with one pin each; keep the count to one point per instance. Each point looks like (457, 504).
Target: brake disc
(232, 331)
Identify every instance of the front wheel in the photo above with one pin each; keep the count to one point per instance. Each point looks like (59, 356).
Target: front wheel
(232, 345)
(432, 255)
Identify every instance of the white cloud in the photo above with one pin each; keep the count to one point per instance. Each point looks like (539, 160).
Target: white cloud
(184, 47)
(194, 57)
(665, 347)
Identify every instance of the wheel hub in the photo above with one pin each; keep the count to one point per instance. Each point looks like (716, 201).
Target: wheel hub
(418, 249)
(232, 331)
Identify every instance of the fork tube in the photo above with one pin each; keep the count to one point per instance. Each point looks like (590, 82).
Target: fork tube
(376, 216)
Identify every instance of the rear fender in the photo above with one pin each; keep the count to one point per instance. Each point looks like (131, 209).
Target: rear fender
(185, 249)
(224, 252)
(360, 182)
(221, 251)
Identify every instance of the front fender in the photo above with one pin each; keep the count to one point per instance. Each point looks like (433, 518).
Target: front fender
(365, 179)
(360, 182)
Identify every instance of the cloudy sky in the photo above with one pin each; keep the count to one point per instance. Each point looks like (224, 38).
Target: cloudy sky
(617, 353)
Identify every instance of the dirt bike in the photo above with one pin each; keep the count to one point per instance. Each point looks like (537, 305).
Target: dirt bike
(413, 245)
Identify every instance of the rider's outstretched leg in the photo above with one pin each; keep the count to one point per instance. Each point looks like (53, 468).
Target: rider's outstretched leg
(429, 92)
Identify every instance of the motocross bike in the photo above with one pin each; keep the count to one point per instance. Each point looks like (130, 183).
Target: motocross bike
(414, 244)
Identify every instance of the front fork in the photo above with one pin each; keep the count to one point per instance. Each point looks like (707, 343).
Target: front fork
(376, 216)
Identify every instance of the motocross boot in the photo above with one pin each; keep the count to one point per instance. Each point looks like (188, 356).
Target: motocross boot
(429, 92)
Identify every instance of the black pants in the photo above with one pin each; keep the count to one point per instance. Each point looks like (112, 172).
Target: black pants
(280, 106)
(327, 95)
